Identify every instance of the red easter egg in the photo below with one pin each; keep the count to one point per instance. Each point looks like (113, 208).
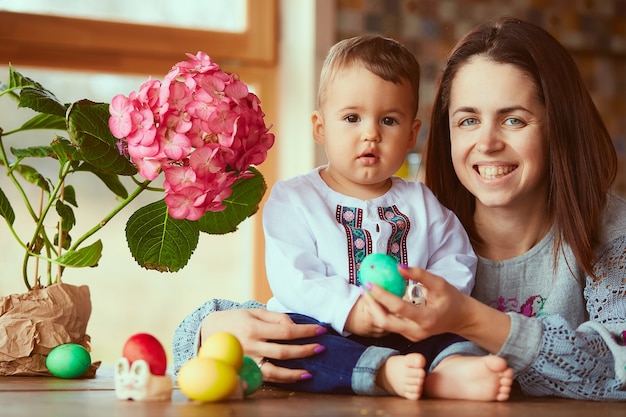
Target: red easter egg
(147, 347)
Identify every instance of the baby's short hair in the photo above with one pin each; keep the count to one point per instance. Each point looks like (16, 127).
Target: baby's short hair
(384, 57)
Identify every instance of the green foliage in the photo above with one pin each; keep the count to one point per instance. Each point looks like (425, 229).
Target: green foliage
(243, 203)
(156, 240)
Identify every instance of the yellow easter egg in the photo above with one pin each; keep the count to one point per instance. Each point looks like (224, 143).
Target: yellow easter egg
(223, 346)
(207, 379)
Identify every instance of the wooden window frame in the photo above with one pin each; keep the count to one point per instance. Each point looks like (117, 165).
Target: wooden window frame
(111, 47)
(103, 46)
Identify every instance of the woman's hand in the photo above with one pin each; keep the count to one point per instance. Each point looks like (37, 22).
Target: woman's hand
(446, 310)
(254, 327)
(441, 313)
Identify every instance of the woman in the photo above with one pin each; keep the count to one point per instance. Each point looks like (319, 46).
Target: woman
(519, 152)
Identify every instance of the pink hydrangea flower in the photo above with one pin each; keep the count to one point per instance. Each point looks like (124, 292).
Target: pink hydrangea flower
(201, 127)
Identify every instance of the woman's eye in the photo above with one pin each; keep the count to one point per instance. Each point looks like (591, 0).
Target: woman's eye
(470, 121)
(389, 121)
(513, 121)
(351, 118)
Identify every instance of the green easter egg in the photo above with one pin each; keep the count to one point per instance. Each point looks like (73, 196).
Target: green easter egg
(251, 374)
(382, 270)
(69, 360)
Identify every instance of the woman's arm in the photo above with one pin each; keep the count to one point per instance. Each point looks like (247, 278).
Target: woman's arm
(588, 362)
(254, 327)
(446, 310)
(549, 356)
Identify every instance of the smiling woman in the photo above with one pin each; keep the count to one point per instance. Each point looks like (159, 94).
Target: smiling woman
(498, 144)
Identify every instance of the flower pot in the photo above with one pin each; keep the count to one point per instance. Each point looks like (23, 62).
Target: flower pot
(35, 322)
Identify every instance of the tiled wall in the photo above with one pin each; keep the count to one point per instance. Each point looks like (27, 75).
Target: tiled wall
(594, 31)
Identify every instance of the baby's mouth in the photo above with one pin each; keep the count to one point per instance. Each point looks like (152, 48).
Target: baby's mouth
(368, 155)
(492, 172)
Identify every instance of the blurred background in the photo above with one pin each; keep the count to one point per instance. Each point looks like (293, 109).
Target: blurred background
(97, 49)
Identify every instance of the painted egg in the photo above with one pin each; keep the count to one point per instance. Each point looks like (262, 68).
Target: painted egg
(69, 360)
(147, 347)
(206, 379)
(223, 346)
(382, 270)
(251, 375)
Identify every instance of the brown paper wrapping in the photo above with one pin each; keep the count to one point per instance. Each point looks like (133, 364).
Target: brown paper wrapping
(35, 322)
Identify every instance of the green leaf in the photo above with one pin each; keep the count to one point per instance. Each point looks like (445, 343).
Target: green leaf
(68, 220)
(17, 80)
(64, 150)
(31, 175)
(33, 152)
(45, 121)
(243, 203)
(60, 149)
(88, 126)
(113, 183)
(67, 240)
(87, 256)
(69, 195)
(6, 210)
(34, 96)
(42, 101)
(158, 241)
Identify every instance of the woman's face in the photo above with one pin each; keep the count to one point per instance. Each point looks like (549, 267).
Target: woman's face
(499, 149)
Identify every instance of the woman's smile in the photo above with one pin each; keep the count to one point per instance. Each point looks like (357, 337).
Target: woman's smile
(491, 172)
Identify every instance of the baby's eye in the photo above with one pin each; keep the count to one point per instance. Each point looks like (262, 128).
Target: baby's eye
(351, 118)
(513, 121)
(389, 121)
(470, 121)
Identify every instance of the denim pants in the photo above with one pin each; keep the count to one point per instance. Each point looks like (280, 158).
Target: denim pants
(349, 364)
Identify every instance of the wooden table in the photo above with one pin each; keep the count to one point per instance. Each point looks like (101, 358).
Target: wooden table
(53, 397)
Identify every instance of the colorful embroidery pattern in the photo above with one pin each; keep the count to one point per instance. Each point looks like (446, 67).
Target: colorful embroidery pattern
(400, 224)
(359, 240)
(532, 307)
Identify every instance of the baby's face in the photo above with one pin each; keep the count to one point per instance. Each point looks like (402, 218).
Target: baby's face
(367, 125)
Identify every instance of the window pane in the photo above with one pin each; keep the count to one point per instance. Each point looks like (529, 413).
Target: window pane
(215, 15)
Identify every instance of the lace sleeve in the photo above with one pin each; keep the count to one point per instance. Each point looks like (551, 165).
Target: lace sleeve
(606, 296)
(187, 335)
(588, 362)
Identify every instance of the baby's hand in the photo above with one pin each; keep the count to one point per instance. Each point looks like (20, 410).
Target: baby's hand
(361, 323)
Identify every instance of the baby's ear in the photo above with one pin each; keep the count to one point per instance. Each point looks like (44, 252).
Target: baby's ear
(415, 129)
(317, 122)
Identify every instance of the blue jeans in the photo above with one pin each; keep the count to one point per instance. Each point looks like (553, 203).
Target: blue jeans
(347, 365)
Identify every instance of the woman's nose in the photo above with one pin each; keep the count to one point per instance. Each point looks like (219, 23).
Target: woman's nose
(489, 139)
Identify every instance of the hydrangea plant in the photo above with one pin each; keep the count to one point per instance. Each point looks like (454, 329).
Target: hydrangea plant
(200, 132)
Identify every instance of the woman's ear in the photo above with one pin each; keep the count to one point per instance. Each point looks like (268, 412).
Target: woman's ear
(317, 123)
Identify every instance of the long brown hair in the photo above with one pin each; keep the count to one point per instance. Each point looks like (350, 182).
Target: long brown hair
(582, 159)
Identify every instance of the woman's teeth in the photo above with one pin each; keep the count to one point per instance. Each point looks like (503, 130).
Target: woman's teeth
(491, 172)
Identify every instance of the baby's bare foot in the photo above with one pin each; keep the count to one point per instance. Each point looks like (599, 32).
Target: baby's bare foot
(403, 375)
(481, 378)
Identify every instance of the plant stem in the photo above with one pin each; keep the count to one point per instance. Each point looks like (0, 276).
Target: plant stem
(60, 233)
(142, 186)
(37, 282)
(62, 174)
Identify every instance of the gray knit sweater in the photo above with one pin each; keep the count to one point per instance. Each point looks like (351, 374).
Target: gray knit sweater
(566, 335)
(566, 330)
